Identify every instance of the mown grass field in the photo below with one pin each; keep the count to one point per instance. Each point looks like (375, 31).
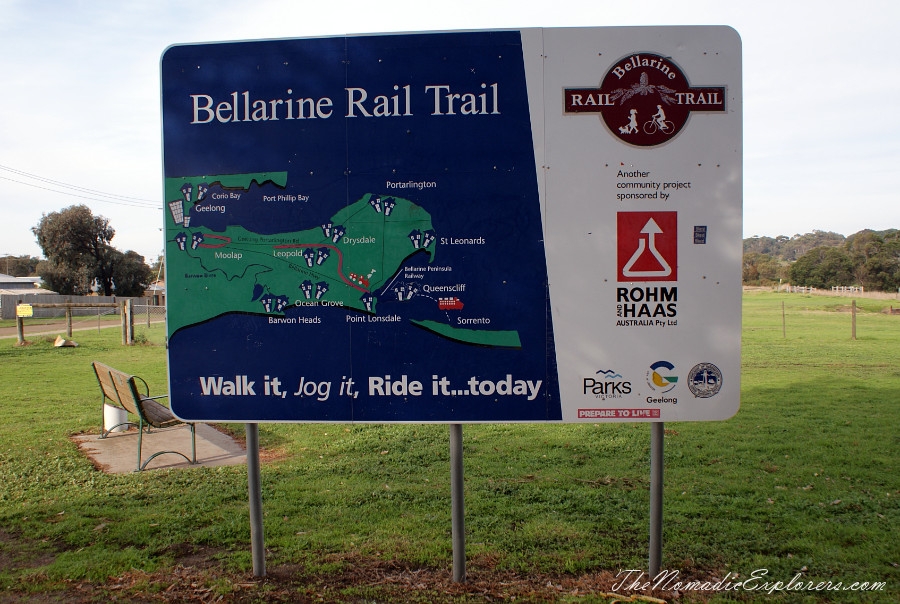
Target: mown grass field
(802, 480)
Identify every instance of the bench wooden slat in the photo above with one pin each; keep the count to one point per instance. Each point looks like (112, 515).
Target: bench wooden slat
(157, 415)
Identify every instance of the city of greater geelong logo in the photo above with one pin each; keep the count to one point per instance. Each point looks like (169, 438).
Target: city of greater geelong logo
(704, 380)
(660, 377)
(606, 383)
(647, 246)
(645, 99)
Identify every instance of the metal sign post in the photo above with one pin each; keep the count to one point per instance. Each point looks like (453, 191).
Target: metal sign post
(657, 432)
(254, 487)
(457, 503)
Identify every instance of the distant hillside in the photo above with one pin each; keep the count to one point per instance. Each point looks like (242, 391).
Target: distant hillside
(824, 259)
(790, 249)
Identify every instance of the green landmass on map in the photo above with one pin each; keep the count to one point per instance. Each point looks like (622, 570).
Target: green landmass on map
(339, 263)
(481, 337)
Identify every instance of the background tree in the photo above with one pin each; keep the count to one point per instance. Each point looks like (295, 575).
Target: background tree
(77, 247)
(791, 248)
(750, 268)
(131, 274)
(63, 279)
(823, 267)
(19, 266)
(876, 259)
(762, 269)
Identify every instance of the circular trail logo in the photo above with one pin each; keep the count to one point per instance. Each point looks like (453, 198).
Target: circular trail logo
(704, 380)
(644, 99)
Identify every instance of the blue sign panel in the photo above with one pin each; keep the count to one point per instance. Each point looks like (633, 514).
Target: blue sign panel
(354, 232)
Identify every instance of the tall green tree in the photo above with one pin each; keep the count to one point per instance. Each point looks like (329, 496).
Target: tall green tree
(823, 267)
(131, 274)
(77, 247)
(876, 259)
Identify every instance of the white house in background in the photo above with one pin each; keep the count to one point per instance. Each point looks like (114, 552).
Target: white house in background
(21, 286)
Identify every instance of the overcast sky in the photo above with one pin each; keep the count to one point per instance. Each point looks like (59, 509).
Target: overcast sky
(79, 97)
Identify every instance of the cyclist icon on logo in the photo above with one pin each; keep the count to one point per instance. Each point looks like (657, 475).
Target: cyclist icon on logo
(659, 122)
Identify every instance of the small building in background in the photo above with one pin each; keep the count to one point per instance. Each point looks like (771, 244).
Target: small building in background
(26, 286)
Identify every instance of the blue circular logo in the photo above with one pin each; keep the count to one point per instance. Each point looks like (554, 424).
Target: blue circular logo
(704, 380)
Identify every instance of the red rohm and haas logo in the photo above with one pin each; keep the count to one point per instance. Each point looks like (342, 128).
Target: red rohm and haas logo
(645, 99)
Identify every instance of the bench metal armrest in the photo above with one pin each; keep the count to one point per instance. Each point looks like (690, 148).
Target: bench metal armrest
(144, 382)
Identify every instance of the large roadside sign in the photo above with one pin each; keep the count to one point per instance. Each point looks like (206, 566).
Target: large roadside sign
(539, 225)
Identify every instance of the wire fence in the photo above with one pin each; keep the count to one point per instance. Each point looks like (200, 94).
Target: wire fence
(37, 317)
(149, 313)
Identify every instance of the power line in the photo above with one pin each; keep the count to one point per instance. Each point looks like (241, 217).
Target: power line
(120, 203)
(89, 194)
(75, 187)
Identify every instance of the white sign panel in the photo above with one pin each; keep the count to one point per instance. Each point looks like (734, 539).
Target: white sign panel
(642, 181)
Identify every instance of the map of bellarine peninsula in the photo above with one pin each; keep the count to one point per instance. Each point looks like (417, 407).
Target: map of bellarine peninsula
(224, 264)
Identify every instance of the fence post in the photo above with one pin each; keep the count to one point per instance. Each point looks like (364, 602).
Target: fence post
(68, 321)
(124, 324)
(129, 317)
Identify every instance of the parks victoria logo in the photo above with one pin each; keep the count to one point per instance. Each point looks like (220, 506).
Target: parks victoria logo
(645, 99)
(606, 384)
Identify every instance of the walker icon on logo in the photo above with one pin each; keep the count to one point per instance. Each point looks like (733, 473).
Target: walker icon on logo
(645, 99)
(659, 377)
(647, 246)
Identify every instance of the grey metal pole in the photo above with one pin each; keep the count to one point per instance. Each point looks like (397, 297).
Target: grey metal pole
(657, 430)
(257, 543)
(457, 504)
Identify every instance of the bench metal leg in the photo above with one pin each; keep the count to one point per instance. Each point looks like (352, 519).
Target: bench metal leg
(192, 459)
(140, 439)
(107, 432)
(158, 453)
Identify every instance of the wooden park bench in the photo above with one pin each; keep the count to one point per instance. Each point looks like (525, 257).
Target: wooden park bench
(121, 390)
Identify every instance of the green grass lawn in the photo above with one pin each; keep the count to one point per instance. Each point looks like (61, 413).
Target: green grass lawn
(802, 480)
